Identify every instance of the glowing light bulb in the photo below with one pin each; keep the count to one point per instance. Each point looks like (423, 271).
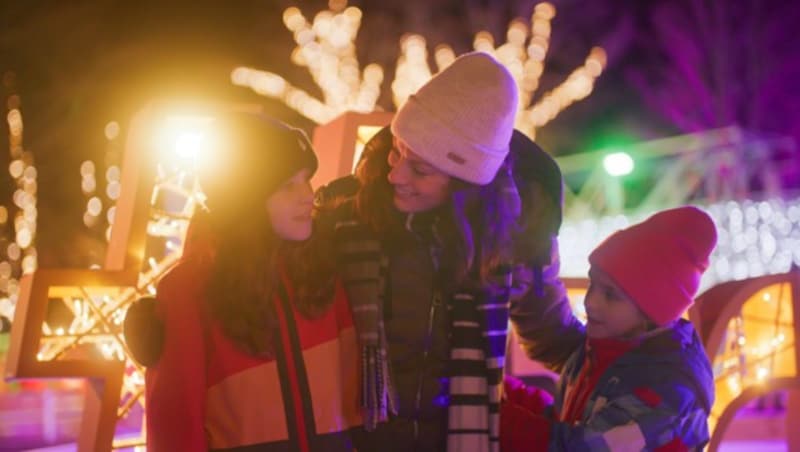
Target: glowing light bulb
(618, 164)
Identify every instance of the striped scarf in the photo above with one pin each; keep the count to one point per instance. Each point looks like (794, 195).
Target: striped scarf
(477, 355)
(364, 269)
(479, 321)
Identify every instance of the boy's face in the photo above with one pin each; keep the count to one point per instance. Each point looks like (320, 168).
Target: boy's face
(610, 313)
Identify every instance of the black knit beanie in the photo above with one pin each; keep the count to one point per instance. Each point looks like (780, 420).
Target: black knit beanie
(254, 156)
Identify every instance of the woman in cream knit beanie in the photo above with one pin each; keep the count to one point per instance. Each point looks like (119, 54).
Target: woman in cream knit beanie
(431, 219)
(462, 119)
(457, 126)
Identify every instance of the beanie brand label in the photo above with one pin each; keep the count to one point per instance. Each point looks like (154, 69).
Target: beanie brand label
(456, 158)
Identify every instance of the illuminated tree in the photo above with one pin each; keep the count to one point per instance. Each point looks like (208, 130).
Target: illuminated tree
(326, 46)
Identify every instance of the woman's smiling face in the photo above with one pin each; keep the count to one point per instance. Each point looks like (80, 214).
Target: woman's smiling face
(418, 186)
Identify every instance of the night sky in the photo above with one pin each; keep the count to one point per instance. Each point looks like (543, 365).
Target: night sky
(675, 66)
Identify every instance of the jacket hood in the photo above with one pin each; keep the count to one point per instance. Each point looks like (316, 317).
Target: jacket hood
(677, 351)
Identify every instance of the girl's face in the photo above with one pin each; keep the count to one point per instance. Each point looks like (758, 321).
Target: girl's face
(289, 207)
(611, 313)
(418, 186)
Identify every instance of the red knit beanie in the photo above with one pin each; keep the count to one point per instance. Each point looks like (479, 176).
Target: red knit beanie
(658, 262)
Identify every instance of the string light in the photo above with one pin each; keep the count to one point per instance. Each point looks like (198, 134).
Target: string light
(326, 47)
(412, 68)
(93, 216)
(23, 209)
(112, 130)
(764, 244)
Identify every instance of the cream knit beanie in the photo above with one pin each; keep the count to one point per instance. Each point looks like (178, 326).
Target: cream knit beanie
(461, 120)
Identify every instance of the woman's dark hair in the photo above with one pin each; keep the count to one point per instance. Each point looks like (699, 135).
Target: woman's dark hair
(475, 225)
(260, 156)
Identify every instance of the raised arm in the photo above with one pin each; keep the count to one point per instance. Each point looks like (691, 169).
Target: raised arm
(543, 320)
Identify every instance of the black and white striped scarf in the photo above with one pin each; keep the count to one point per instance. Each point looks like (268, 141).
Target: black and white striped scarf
(479, 322)
(477, 356)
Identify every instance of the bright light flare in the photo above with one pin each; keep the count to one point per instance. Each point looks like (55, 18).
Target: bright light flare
(618, 164)
(189, 144)
(187, 139)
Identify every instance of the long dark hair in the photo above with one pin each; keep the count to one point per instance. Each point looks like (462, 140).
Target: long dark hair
(241, 285)
(475, 225)
(247, 254)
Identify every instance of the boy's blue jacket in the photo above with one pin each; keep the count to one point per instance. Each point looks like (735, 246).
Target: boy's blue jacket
(656, 396)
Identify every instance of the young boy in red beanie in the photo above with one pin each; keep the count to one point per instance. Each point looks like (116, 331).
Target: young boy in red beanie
(641, 380)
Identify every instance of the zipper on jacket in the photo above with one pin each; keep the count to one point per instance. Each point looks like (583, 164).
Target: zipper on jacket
(436, 302)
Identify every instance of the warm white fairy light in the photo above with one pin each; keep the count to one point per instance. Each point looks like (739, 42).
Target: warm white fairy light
(21, 252)
(94, 206)
(112, 182)
(5, 270)
(444, 56)
(88, 181)
(93, 216)
(13, 251)
(326, 46)
(578, 86)
(15, 168)
(112, 130)
(412, 68)
(113, 190)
